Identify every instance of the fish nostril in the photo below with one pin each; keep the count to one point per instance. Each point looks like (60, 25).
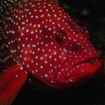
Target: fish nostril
(59, 40)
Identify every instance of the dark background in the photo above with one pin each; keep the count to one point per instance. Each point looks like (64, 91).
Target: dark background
(91, 14)
(90, 93)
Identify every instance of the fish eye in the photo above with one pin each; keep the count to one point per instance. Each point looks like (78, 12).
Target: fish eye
(59, 40)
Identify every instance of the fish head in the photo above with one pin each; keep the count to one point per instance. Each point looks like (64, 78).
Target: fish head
(53, 48)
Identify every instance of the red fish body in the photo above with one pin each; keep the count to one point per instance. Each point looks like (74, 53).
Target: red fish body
(39, 41)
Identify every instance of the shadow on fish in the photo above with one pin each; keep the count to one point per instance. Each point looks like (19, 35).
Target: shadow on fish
(40, 44)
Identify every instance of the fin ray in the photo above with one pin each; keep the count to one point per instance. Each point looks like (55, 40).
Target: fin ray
(11, 81)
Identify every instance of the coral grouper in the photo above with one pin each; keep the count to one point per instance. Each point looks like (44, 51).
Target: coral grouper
(39, 42)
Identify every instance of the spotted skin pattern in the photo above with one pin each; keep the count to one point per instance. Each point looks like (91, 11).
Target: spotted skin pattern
(39, 41)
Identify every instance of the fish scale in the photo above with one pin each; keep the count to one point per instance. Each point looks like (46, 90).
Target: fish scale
(40, 42)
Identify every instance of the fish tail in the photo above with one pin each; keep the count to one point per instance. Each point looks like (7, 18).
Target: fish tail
(11, 81)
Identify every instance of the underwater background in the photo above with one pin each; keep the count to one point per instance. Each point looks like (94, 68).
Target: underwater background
(91, 14)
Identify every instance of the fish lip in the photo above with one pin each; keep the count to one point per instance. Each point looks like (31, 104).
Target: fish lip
(85, 75)
(91, 58)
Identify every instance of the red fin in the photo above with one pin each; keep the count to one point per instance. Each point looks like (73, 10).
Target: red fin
(11, 82)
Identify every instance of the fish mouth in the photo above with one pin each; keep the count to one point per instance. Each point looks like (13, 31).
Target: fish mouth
(84, 71)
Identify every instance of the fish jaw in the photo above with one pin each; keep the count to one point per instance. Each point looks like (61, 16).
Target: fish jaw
(78, 73)
(84, 71)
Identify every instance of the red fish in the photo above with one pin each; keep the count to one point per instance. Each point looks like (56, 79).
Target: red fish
(39, 41)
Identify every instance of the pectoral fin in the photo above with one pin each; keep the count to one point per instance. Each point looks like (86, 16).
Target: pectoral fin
(11, 81)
